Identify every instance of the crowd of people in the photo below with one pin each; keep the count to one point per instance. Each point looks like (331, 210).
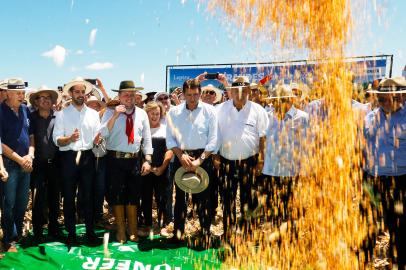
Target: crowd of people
(81, 147)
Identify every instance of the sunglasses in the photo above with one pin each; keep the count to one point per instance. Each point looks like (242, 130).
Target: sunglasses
(163, 98)
(209, 93)
(43, 97)
(383, 99)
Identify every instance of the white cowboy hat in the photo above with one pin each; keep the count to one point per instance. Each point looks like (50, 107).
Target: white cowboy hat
(192, 182)
(390, 86)
(210, 87)
(158, 94)
(55, 96)
(14, 84)
(281, 91)
(93, 99)
(78, 81)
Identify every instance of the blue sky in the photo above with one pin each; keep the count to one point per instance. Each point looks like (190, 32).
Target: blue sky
(136, 39)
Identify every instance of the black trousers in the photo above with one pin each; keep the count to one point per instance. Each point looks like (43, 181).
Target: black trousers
(153, 185)
(45, 184)
(77, 176)
(392, 193)
(201, 201)
(278, 191)
(234, 173)
(123, 180)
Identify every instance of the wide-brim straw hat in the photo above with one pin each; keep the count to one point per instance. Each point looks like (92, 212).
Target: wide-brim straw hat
(281, 91)
(93, 99)
(78, 81)
(56, 97)
(211, 87)
(396, 85)
(192, 182)
(302, 87)
(13, 84)
(239, 82)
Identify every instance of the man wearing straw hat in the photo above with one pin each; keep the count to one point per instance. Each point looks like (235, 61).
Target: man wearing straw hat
(285, 139)
(385, 153)
(18, 154)
(76, 132)
(3, 89)
(45, 176)
(192, 135)
(124, 128)
(242, 127)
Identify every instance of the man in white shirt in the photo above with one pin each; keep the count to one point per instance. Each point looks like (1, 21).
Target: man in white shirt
(285, 138)
(192, 135)
(242, 127)
(75, 133)
(126, 129)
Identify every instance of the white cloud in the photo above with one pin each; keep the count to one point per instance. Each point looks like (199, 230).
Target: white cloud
(79, 52)
(92, 37)
(87, 21)
(100, 66)
(57, 54)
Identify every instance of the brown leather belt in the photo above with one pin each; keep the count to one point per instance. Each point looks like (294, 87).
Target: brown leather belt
(125, 155)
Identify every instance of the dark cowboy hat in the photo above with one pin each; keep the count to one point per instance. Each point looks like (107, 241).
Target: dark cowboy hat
(128, 86)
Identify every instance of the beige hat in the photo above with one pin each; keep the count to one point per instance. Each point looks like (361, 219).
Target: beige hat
(55, 96)
(390, 86)
(302, 87)
(78, 81)
(239, 82)
(281, 91)
(211, 87)
(14, 84)
(93, 99)
(192, 182)
(3, 84)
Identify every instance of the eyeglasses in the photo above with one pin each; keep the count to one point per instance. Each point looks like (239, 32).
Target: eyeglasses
(163, 98)
(43, 97)
(209, 93)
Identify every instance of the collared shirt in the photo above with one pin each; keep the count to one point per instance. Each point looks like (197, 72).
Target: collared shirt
(284, 143)
(385, 143)
(192, 130)
(15, 130)
(42, 129)
(117, 139)
(365, 108)
(239, 131)
(87, 121)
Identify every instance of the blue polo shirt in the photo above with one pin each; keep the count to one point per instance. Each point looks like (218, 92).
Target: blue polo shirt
(15, 130)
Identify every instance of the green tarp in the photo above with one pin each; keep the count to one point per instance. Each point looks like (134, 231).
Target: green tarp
(146, 255)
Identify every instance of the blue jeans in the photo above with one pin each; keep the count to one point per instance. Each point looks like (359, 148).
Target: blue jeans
(14, 196)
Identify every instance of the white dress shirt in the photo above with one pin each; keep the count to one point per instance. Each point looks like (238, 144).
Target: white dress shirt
(284, 143)
(239, 131)
(117, 139)
(192, 130)
(87, 121)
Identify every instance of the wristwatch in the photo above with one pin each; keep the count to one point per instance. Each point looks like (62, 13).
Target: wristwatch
(202, 157)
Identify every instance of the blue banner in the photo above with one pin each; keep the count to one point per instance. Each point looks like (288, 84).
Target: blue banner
(364, 72)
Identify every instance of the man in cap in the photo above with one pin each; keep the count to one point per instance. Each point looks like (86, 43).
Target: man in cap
(76, 132)
(385, 154)
(192, 136)
(242, 128)
(45, 176)
(124, 128)
(285, 140)
(18, 153)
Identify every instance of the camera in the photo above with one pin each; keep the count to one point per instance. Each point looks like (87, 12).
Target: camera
(212, 76)
(92, 81)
